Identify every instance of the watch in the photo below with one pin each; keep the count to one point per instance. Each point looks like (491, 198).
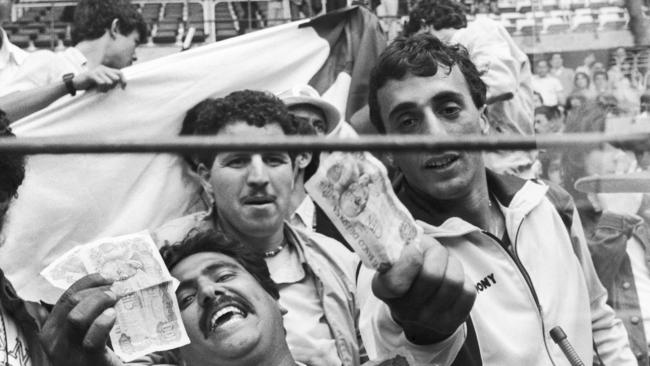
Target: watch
(69, 85)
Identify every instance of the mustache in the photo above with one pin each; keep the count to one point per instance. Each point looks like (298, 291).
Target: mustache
(211, 306)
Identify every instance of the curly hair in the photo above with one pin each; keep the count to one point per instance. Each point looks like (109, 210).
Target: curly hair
(303, 127)
(256, 108)
(211, 241)
(421, 55)
(93, 17)
(440, 14)
(12, 166)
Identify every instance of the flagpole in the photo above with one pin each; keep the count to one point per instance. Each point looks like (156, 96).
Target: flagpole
(184, 144)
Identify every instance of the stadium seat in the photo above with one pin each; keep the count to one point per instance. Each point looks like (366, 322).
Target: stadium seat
(611, 21)
(510, 27)
(151, 12)
(555, 25)
(507, 6)
(225, 21)
(535, 14)
(577, 4)
(528, 27)
(564, 14)
(595, 4)
(583, 23)
(581, 12)
(548, 5)
(524, 6)
(511, 18)
(20, 40)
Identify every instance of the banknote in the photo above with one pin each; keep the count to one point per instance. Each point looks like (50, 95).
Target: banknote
(148, 320)
(354, 191)
(148, 316)
(66, 270)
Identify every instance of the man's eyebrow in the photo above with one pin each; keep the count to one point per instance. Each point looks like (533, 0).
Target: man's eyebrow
(189, 283)
(401, 107)
(449, 96)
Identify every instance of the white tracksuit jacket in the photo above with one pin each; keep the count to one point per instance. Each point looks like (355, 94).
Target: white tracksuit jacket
(548, 280)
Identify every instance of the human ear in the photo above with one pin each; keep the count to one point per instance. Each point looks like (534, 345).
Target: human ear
(203, 171)
(115, 28)
(483, 120)
(303, 160)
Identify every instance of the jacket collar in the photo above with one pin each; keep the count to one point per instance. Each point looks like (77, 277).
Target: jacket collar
(516, 197)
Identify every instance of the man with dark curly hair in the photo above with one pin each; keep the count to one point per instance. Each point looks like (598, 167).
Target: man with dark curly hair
(20, 319)
(228, 304)
(504, 68)
(519, 243)
(105, 34)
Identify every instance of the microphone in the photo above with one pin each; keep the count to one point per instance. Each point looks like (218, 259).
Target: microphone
(559, 337)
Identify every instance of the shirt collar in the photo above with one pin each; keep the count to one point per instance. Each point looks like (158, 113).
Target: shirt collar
(76, 57)
(304, 214)
(9, 52)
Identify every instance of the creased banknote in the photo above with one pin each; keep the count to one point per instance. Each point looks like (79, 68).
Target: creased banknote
(148, 316)
(354, 191)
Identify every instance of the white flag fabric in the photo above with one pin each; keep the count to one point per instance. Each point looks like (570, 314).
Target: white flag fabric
(67, 200)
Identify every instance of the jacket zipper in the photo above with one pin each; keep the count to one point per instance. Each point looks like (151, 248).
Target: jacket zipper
(515, 258)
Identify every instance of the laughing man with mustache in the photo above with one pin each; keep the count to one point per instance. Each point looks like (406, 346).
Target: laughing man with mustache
(229, 306)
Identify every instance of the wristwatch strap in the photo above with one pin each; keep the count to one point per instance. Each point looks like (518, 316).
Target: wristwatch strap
(69, 85)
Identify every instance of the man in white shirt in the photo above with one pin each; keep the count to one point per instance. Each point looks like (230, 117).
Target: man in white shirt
(105, 35)
(548, 86)
(11, 58)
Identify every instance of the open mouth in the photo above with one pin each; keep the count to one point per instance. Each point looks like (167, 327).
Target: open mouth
(223, 312)
(226, 314)
(258, 200)
(441, 162)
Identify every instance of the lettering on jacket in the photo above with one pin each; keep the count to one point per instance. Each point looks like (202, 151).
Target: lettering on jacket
(485, 283)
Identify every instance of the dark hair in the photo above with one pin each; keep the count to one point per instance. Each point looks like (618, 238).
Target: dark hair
(601, 72)
(93, 17)
(440, 14)
(421, 55)
(575, 78)
(256, 108)
(549, 112)
(212, 241)
(12, 166)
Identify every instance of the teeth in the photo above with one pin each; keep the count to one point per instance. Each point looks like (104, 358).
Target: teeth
(228, 309)
(443, 162)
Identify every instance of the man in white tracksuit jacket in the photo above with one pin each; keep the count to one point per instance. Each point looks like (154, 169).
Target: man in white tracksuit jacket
(519, 242)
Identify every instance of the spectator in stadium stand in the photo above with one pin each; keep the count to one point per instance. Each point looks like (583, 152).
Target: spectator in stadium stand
(582, 85)
(21, 320)
(587, 64)
(565, 75)
(312, 116)
(621, 67)
(548, 120)
(601, 83)
(537, 100)
(504, 66)
(228, 302)
(617, 229)
(105, 34)
(11, 58)
(574, 101)
(547, 85)
(510, 235)
(315, 274)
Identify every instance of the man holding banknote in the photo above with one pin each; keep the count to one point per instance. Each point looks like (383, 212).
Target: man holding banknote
(519, 242)
(229, 306)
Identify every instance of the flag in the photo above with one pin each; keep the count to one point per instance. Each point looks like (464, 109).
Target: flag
(67, 200)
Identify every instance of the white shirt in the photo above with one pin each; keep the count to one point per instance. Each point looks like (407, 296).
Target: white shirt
(641, 275)
(13, 347)
(304, 215)
(11, 58)
(308, 335)
(549, 87)
(44, 68)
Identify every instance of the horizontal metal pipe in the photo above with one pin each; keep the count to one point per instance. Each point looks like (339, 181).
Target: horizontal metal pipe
(184, 144)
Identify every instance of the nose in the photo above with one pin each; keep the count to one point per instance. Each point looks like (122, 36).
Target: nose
(433, 124)
(207, 289)
(257, 172)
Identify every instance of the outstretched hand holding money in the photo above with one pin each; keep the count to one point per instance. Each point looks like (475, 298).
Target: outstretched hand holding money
(426, 291)
(77, 330)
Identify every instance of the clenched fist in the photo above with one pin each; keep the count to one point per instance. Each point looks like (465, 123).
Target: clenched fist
(426, 291)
